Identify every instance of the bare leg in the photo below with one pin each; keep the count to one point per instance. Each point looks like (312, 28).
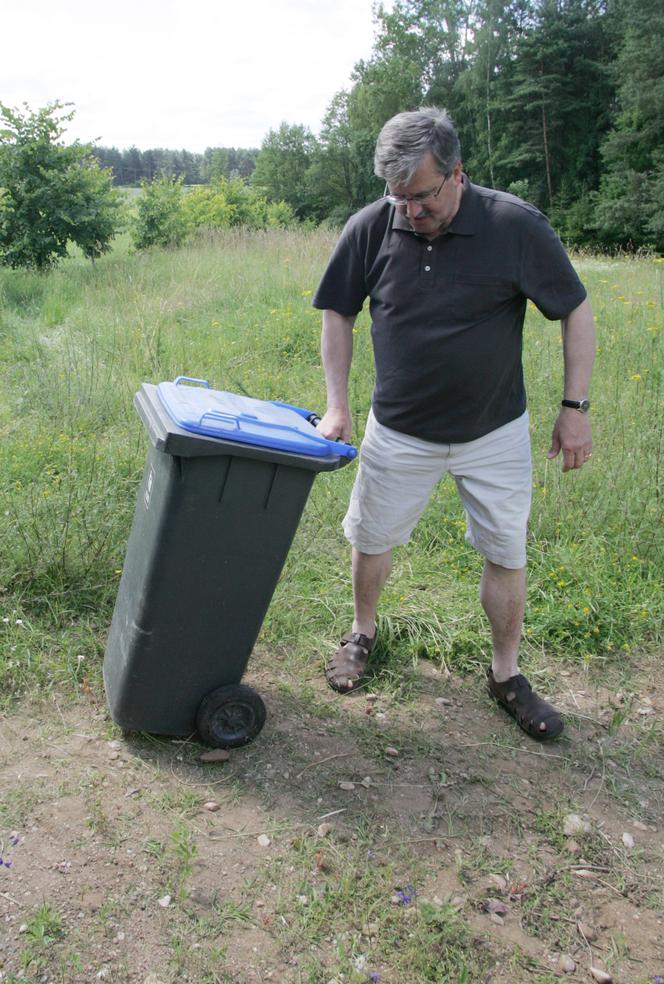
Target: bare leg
(370, 572)
(503, 597)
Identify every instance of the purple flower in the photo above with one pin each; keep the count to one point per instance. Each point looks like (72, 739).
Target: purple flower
(7, 864)
(658, 980)
(406, 894)
(13, 840)
(375, 976)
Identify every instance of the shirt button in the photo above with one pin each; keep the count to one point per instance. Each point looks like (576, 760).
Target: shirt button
(429, 248)
(427, 268)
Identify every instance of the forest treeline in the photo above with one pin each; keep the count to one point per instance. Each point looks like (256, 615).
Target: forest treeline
(132, 166)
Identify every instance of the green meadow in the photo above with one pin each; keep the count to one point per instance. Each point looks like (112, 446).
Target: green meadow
(390, 816)
(236, 309)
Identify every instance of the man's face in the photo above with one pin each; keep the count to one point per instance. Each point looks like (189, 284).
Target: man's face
(431, 215)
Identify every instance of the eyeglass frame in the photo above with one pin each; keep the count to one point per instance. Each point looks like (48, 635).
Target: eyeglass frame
(419, 199)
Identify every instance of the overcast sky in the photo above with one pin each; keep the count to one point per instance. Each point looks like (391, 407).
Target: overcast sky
(182, 73)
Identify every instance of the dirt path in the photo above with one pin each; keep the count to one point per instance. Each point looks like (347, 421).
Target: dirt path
(126, 859)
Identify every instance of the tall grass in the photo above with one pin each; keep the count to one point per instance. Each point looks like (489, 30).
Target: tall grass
(236, 308)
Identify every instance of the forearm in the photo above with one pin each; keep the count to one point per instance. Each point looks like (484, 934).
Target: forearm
(578, 331)
(337, 354)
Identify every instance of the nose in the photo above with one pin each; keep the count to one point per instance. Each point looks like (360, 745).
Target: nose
(414, 210)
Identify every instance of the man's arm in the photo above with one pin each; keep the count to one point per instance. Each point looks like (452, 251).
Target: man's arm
(571, 431)
(337, 354)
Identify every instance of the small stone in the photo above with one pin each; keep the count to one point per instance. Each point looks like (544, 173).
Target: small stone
(372, 698)
(347, 786)
(498, 881)
(164, 901)
(444, 701)
(628, 840)
(366, 782)
(457, 902)
(114, 756)
(573, 824)
(23, 928)
(114, 744)
(392, 752)
(152, 979)
(566, 964)
(120, 937)
(212, 806)
(324, 829)
(601, 975)
(573, 846)
(494, 906)
(495, 918)
(639, 825)
(215, 755)
(588, 932)
(264, 840)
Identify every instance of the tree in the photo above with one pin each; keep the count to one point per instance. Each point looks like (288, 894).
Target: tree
(160, 219)
(282, 164)
(629, 211)
(51, 194)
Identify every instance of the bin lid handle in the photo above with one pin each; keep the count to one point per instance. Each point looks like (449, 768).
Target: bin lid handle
(191, 379)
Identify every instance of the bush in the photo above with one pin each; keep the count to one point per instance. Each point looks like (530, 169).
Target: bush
(51, 194)
(160, 219)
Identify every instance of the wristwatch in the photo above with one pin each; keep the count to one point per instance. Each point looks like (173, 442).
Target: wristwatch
(582, 405)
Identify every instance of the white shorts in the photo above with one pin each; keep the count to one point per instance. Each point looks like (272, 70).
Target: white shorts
(398, 473)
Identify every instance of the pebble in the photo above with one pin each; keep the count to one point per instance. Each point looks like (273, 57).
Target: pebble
(264, 840)
(589, 932)
(601, 975)
(574, 824)
(392, 752)
(566, 964)
(628, 840)
(212, 806)
(347, 786)
(215, 755)
(324, 829)
(498, 881)
(495, 918)
(444, 701)
(164, 901)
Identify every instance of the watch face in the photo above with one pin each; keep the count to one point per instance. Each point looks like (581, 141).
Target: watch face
(584, 406)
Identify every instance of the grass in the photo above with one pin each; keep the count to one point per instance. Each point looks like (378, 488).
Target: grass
(76, 345)
(78, 342)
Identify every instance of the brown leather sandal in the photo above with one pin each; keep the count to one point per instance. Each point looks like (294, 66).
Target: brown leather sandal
(345, 670)
(529, 711)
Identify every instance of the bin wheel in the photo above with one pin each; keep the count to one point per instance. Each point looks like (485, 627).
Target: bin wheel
(230, 716)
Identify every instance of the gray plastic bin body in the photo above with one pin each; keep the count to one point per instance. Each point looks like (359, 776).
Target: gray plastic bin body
(213, 524)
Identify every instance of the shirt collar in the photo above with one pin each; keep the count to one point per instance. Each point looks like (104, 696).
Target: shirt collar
(463, 223)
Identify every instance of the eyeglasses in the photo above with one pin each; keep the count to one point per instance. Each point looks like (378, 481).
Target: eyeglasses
(419, 199)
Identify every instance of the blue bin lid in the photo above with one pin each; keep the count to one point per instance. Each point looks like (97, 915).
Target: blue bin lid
(232, 417)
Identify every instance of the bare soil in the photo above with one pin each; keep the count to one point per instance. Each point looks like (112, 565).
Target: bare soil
(127, 838)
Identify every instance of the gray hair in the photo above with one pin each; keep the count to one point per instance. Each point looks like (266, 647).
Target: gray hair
(407, 137)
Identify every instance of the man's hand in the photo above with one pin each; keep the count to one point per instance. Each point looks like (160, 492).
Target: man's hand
(572, 436)
(336, 423)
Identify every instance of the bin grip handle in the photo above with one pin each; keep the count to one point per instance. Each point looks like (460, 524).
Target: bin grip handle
(346, 450)
(191, 379)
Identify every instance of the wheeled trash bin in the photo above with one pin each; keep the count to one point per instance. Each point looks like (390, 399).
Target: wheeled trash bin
(224, 486)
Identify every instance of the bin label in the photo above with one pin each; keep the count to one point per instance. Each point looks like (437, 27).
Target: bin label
(148, 488)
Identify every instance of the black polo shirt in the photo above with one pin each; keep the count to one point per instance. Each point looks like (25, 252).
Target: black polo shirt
(447, 315)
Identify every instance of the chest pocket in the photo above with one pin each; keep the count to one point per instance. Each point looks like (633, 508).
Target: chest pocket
(474, 297)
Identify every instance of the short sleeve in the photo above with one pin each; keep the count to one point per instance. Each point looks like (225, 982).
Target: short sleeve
(547, 275)
(343, 287)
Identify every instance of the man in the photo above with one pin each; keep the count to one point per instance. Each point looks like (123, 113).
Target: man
(448, 267)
